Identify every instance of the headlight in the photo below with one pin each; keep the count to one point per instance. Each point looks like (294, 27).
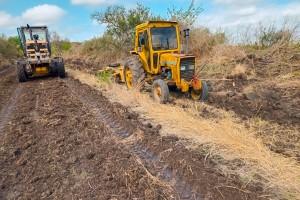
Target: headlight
(182, 68)
(191, 67)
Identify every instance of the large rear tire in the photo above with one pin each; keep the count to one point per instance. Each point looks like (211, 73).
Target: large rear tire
(160, 91)
(21, 73)
(133, 72)
(200, 95)
(61, 70)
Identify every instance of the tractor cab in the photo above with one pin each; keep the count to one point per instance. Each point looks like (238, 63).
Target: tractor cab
(158, 45)
(153, 39)
(35, 43)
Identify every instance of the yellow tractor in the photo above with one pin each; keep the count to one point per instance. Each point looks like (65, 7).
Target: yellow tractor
(37, 59)
(157, 60)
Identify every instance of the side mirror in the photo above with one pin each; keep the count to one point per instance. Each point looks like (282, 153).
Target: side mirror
(186, 32)
(142, 41)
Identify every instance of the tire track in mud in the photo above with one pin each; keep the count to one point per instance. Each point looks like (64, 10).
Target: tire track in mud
(151, 161)
(104, 114)
(9, 106)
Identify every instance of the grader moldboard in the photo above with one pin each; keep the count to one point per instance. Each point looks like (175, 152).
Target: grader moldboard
(37, 59)
(157, 60)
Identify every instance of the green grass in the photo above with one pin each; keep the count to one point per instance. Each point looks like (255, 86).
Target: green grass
(104, 76)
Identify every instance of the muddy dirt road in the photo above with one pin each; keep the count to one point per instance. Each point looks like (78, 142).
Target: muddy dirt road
(60, 139)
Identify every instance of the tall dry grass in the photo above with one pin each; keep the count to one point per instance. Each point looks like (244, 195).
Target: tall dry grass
(224, 133)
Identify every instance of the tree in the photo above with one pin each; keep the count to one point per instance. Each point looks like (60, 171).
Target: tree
(58, 45)
(121, 23)
(186, 18)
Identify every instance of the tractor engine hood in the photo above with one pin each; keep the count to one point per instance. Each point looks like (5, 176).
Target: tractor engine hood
(167, 59)
(183, 69)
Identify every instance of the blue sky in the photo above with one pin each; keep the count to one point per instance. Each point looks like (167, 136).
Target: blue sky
(71, 18)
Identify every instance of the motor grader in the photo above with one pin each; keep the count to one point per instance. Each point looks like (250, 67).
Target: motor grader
(157, 59)
(37, 59)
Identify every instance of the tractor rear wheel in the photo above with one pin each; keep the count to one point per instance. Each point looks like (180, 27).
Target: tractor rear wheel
(21, 73)
(200, 95)
(133, 72)
(160, 91)
(61, 70)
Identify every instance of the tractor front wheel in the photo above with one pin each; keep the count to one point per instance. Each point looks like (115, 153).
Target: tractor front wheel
(160, 91)
(200, 95)
(21, 73)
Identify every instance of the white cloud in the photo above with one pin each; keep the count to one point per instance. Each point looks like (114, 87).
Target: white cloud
(5, 19)
(232, 17)
(92, 2)
(246, 11)
(236, 2)
(43, 14)
(292, 10)
(39, 15)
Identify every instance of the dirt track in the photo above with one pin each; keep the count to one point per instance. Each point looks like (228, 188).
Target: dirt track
(60, 139)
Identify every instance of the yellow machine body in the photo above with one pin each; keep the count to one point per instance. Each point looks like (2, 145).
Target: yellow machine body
(157, 44)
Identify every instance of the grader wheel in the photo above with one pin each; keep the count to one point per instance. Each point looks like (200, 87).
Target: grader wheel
(133, 72)
(21, 73)
(61, 70)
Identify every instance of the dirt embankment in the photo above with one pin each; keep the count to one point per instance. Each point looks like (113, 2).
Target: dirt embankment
(62, 139)
(90, 66)
(264, 97)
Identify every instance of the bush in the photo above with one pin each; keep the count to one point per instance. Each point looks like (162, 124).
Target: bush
(202, 41)
(9, 47)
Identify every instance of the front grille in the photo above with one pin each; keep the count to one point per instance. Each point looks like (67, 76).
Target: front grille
(189, 65)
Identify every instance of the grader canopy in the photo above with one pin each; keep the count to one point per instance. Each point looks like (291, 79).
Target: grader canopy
(37, 61)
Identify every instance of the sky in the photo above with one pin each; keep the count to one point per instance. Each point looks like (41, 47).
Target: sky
(71, 18)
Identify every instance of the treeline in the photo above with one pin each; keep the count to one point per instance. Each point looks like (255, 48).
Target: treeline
(121, 22)
(9, 47)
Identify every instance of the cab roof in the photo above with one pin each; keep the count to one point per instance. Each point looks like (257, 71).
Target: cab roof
(155, 22)
(34, 27)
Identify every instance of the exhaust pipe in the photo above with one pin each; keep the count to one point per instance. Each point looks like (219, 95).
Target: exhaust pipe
(186, 34)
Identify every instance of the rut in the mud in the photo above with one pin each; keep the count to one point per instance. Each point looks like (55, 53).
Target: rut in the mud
(8, 107)
(65, 140)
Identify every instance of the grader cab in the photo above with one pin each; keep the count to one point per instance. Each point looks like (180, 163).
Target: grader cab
(37, 59)
(157, 60)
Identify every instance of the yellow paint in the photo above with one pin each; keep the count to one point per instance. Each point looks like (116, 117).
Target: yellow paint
(32, 41)
(145, 55)
(196, 84)
(41, 71)
(184, 85)
(128, 77)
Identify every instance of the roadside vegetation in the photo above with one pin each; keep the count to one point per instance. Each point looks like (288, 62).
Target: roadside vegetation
(59, 45)
(9, 50)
